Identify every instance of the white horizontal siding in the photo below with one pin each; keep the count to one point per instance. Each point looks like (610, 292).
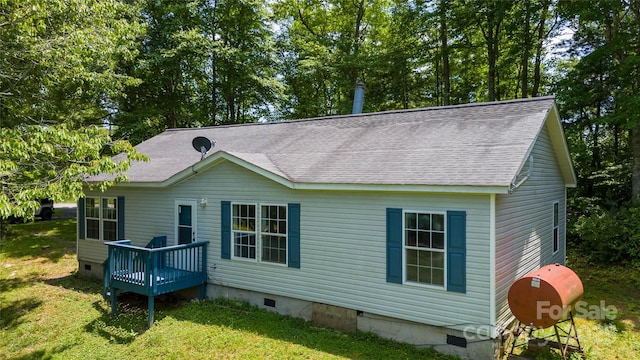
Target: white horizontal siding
(524, 224)
(343, 245)
(343, 248)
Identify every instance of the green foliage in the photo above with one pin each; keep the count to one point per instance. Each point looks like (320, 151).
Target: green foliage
(58, 59)
(59, 78)
(53, 162)
(200, 63)
(610, 236)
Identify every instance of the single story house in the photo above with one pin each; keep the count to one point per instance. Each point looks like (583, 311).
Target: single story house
(410, 224)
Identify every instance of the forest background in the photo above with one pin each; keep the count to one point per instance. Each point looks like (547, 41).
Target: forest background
(83, 79)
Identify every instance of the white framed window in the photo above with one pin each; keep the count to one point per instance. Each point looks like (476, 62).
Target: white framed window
(556, 227)
(243, 230)
(101, 218)
(273, 235)
(259, 232)
(424, 247)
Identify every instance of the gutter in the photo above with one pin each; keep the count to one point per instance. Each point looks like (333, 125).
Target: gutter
(514, 185)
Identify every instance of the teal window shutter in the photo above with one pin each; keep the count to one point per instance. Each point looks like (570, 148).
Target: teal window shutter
(120, 217)
(456, 251)
(225, 226)
(293, 230)
(394, 245)
(81, 224)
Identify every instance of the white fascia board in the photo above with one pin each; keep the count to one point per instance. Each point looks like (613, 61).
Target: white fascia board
(403, 188)
(561, 147)
(362, 187)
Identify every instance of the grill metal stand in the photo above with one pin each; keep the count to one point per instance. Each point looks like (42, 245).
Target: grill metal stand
(564, 339)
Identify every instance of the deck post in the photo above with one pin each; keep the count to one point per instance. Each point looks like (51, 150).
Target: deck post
(155, 271)
(114, 301)
(203, 291)
(203, 261)
(151, 310)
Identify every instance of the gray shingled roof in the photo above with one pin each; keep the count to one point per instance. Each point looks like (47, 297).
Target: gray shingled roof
(480, 144)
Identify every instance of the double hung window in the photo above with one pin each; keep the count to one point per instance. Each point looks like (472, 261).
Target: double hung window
(101, 217)
(260, 232)
(424, 247)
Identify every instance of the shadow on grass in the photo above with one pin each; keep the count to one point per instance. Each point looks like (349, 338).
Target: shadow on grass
(228, 314)
(131, 318)
(609, 288)
(47, 239)
(43, 354)
(131, 322)
(10, 284)
(13, 313)
(83, 284)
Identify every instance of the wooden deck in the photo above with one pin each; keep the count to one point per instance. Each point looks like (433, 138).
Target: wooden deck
(154, 270)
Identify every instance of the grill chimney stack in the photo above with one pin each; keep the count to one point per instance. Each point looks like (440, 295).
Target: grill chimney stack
(358, 98)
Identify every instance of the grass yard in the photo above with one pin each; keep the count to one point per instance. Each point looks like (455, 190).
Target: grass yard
(46, 311)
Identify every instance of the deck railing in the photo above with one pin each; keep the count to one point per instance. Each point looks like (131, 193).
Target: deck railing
(155, 271)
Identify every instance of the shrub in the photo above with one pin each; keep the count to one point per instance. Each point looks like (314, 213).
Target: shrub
(609, 236)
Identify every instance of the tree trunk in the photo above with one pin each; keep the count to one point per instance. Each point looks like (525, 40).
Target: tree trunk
(526, 44)
(444, 44)
(539, 49)
(492, 59)
(635, 169)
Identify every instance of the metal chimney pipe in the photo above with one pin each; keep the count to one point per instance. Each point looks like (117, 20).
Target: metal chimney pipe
(358, 98)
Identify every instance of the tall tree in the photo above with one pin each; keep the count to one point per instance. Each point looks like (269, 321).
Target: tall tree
(329, 45)
(444, 50)
(57, 81)
(202, 62)
(489, 17)
(600, 92)
(245, 61)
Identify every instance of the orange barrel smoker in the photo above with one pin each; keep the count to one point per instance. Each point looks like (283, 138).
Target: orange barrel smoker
(542, 297)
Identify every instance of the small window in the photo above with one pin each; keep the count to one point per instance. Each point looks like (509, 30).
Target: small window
(101, 218)
(556, 233)
(424, 248)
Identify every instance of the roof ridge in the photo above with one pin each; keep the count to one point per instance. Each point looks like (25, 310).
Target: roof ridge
(399, 111)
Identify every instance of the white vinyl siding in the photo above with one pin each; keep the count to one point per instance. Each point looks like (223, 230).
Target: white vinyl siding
(343, 245)
(524, 235)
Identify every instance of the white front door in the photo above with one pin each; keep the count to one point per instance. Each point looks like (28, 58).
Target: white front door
(185, 222)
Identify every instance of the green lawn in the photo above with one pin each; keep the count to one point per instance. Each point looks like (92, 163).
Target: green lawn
(46, 311)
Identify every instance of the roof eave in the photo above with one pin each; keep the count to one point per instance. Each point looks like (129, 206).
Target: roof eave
(560, 147)
(445, 189)
(221, 156)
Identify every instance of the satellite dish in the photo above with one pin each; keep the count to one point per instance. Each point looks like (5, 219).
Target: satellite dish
(202, 144)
